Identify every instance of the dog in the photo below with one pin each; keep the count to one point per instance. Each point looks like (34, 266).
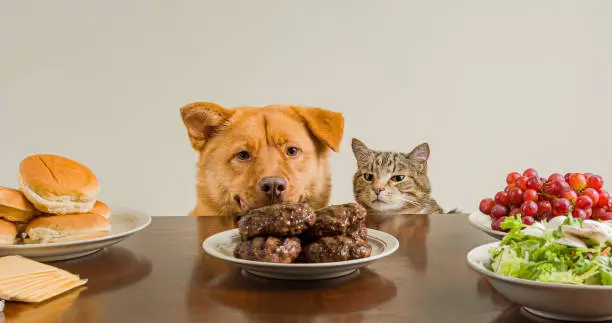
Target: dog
(250, 157)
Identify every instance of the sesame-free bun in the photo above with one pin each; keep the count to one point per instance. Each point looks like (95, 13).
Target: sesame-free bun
(8, 232)
(66, 227)
(58, 185)
(102, 209)
(14, 207)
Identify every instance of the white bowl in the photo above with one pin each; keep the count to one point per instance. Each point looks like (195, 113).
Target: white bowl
(124, 223)
(221, 245)
(582, 303)
(483, 223)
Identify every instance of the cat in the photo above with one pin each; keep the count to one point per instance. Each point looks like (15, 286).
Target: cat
(393, 182)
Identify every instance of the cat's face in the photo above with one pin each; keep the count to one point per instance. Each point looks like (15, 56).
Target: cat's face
(391, 181)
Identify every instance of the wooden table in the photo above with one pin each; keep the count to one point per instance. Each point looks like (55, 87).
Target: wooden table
(162, 275)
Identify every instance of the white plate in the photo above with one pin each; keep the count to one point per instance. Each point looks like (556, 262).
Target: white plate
(124, 223)
(483, 223)
(578, 303)
(221, 245)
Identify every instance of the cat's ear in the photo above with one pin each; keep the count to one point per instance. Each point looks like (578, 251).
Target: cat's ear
(420, 154)
(361, 151)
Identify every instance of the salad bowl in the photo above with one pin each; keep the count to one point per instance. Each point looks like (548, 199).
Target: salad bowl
(552, 272)
(579, 303)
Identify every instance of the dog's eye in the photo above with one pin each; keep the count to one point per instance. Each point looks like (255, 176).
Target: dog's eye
(368, 177)
(243, 155)
(398, 178)
(292, 151)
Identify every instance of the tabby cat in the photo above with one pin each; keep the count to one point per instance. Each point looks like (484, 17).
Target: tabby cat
(393, 182)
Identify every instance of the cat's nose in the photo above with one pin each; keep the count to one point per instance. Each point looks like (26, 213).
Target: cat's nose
(378, 190)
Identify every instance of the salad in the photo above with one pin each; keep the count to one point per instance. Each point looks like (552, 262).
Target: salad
(564, 250)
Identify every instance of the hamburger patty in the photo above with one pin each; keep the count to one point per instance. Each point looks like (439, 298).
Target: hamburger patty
(344, 219)
(269, 249)
(338, 248)
(279, 220)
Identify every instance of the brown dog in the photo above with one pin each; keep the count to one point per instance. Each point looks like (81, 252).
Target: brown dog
(252, 157)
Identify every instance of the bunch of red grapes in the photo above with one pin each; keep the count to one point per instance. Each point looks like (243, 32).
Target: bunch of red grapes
(537, 198)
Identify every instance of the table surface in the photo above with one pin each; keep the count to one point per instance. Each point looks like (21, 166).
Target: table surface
(162, 275)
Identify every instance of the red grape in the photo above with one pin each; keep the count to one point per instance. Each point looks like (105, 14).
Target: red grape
(515, 195)
(578, 182)
(486, 205)
(570, 196)
(515, 211)
(598, 213)
(595, 182)
(544, 208)
(512, 177)
(502, 198)
(555, 177)
(593, 194)
(530, 172)
(530, 195)
(567, 177)
(584, 202)
(529, 208)
(556, 188)
(527, 220)
(604, 198)
(522, 182)
(587, 175)
(496, 225)
(561, 206)
(589, 213)
(499, 210)
(534, 183)
(579, 213)
(509, 187)
(607, 217)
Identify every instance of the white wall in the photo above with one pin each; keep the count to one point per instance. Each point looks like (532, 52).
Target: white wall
(493, 86)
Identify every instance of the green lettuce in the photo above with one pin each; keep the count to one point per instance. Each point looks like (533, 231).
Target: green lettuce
(541, 259)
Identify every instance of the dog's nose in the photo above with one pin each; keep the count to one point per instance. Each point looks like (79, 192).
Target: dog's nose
(273, 187)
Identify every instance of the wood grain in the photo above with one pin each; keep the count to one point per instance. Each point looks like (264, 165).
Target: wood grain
(162, 275)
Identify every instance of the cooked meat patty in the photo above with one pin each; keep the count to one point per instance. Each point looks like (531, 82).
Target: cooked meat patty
(280, 220)
(269, 249)
(339, 248)
(344, 219)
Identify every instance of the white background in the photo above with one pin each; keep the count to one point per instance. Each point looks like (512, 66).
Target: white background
(493, 86)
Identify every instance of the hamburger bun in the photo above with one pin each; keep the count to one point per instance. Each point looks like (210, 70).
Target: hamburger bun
(58, 185)
(102, 209)
(67, 227)
(8, 232)
(14, 207)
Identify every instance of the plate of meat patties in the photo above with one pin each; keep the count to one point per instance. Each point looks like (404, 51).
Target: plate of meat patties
(293, 241)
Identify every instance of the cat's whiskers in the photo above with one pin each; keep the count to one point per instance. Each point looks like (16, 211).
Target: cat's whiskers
(410, 201)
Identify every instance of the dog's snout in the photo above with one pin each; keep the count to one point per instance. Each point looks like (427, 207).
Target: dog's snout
(273, 187)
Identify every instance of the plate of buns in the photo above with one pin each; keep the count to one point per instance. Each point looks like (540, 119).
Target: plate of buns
(55, 214)
(292, 241)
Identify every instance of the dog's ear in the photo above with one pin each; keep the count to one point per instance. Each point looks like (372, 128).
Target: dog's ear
(202, 120)
(362, 153)
(326, 125)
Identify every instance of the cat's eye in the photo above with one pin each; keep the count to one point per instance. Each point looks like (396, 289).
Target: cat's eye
(398, 178)
(243, 155)
(368, 177)
(292, 151)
